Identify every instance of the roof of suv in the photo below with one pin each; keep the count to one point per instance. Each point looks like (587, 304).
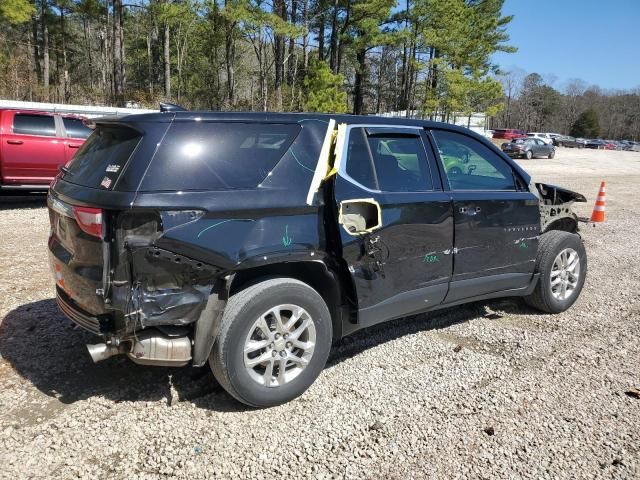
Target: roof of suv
(271, 117)
(278, 117)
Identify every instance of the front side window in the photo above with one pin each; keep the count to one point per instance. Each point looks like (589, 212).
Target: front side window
(470, 165)
(34, 124)
(390, 162)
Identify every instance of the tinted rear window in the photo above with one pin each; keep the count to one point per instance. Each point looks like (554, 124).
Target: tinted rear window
(76, 128)
(102, 157)
(30, 124)
(217, 156)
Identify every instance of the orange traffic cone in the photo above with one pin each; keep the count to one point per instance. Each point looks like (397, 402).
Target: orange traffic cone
(598, 209)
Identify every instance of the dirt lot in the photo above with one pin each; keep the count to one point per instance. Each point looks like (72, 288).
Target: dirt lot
(526, 395)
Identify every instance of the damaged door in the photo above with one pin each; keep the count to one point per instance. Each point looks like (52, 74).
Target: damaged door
(396, 223)
(497, 221)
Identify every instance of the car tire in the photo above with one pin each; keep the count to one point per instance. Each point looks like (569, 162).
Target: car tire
(239, 328)
(552, 154)
(557, 289)
(528, 155)
(580, 146)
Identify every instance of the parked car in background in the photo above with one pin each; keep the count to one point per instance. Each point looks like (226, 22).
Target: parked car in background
(545, 137)
(610, 145)
(34, 145)
(528, 148)
(594, 143)
(571, 142)
(508, 133)
(630, 146)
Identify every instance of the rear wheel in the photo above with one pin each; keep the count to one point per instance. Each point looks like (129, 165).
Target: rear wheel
(273, 343)
(562, 265)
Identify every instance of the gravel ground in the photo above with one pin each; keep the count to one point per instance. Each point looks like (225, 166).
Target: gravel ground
(487, 390)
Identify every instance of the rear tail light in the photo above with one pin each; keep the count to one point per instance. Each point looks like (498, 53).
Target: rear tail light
(89, 220)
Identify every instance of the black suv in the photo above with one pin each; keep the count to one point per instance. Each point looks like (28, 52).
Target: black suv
(254, 240)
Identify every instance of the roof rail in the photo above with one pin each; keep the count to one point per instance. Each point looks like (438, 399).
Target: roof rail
(171, 107)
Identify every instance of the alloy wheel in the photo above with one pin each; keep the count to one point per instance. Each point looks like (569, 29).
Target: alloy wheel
(565, 274)
(279, 345)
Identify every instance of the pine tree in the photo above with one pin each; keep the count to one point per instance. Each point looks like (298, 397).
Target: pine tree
(16, 11)
(587, 125)
(324, 89)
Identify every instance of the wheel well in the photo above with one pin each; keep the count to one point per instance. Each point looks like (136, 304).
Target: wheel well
(564, 224)
(317, 275)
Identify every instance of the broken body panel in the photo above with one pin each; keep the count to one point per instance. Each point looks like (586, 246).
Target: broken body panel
(166, 261)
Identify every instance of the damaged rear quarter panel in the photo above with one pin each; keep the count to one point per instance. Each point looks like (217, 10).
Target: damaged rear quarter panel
(209, 234)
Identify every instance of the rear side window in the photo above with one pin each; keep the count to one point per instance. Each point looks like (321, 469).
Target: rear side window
(399, 160)
(217, 156)
(100, 160)
(32, 124)
(470, 165)
(76, 128)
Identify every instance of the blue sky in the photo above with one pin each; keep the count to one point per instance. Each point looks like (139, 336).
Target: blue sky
(594, 40)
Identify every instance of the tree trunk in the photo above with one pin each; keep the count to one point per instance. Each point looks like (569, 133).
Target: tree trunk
(36, 50)
(360, 80)
(291, 58)
(149, 65)
(118, 60)
(321, 27)
(343, 30)
(167, 62)
(66, 87)
(229, 59)
(45, 53)
(305, 37)
(333, 38)
(280, 10)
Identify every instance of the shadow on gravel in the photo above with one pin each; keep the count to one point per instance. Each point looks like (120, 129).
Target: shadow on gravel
(385, 332)
(48, 350)
(11, 201)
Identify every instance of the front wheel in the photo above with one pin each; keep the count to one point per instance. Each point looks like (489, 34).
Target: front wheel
(528, 155)
(274, 341)
(562, 265)
(552, 154)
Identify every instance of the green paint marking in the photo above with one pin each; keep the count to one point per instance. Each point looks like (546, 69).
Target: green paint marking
(430, 258)
(224, 221)
(286, 240)
(523, 244)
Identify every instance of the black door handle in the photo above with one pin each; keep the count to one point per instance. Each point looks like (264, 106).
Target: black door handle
(15, 142)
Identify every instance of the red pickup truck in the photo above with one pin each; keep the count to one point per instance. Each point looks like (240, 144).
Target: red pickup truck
(34, 145)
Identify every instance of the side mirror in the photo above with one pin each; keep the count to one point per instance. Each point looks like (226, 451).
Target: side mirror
(360, 216)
